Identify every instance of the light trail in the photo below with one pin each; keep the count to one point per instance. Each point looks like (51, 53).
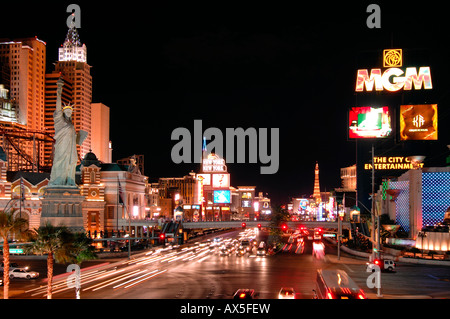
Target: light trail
(149, 277)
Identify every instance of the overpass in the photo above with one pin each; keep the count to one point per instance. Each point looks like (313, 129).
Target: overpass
(238, 224)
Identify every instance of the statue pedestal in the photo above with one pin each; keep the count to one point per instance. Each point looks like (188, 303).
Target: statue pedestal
(62, 206)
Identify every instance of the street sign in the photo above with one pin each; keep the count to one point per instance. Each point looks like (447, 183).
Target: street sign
(16, 251)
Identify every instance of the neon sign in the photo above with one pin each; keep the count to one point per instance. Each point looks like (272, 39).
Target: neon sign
(214, 164)
(393, 162)
(393, 79)
(398, 82)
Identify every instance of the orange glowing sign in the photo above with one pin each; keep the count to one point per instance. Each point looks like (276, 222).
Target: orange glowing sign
(392, 57)
(418, 122)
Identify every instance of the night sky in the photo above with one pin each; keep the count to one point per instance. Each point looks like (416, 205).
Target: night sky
(292, 67)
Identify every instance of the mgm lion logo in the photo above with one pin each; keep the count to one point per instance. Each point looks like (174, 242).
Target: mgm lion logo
(392, 57)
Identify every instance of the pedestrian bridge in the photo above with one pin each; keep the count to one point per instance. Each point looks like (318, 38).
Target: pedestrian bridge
(238, 224)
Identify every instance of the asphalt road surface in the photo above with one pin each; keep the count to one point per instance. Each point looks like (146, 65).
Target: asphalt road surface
(197, 271)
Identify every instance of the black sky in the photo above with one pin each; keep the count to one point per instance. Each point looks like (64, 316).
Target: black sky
(293, 67)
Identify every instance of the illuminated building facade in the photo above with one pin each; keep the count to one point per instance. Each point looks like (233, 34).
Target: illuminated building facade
(100, 143)
(417, 198)
(247, 203)
(114, 197)
(178, 198)
(8, 112)
(348, 179)
(26, 60)
(23, 65)
(214, 188)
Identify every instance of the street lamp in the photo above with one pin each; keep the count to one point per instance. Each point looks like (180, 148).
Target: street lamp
(422, 235)
(340, 219)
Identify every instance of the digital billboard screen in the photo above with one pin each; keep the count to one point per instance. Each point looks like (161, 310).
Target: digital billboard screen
(419, 122)
(370, 122)
(222, 197)
(246, 203)
(220, 180)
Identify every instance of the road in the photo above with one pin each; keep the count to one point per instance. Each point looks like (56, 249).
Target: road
(198, 272)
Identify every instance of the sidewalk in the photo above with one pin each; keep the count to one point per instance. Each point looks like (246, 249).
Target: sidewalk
(370, 293)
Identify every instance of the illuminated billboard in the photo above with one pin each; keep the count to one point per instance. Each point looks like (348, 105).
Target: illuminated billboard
(222, 196)
(370, 122)
(206, 178)
(418, 122)
(220, 180)
(246, 203)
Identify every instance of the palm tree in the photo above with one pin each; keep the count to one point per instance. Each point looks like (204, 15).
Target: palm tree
(279, 216)
(55, 241)
(9, 225)
(61, 246)
(82, 248)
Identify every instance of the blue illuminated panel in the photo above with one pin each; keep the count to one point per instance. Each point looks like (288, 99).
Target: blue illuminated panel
(401, 203)
(435, 197)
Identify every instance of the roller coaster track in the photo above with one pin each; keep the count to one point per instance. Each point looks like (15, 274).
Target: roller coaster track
(13, 135)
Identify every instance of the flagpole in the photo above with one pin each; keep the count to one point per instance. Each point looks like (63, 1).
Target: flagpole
(117, 207)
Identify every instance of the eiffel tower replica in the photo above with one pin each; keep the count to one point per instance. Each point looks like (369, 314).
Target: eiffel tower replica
(316, 194)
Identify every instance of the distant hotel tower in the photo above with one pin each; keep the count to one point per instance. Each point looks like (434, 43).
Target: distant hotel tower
(22, 72)
(72, 63)
(316, 194)
(25, 59)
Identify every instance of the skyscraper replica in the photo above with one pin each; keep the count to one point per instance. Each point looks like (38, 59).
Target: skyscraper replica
(72, 63)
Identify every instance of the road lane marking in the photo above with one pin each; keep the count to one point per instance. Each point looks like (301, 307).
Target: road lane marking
(348, 268)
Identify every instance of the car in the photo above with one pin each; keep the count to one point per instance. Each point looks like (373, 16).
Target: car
(384, 264)
(224, 252)
(246, 244)
(240, 251)
(245, 294)
(286, 293)
(23, 273)
(336, 284)
(261, 251)
(218, 239)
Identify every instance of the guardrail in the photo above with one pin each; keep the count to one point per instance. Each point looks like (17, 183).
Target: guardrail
(238, 224)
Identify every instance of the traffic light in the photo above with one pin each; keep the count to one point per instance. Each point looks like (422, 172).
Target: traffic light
(284, 227)
(162, 236)
(259, 226)
(244, 225)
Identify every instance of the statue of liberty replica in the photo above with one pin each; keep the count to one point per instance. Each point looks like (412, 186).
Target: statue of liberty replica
(66, 139)
(62, 200)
